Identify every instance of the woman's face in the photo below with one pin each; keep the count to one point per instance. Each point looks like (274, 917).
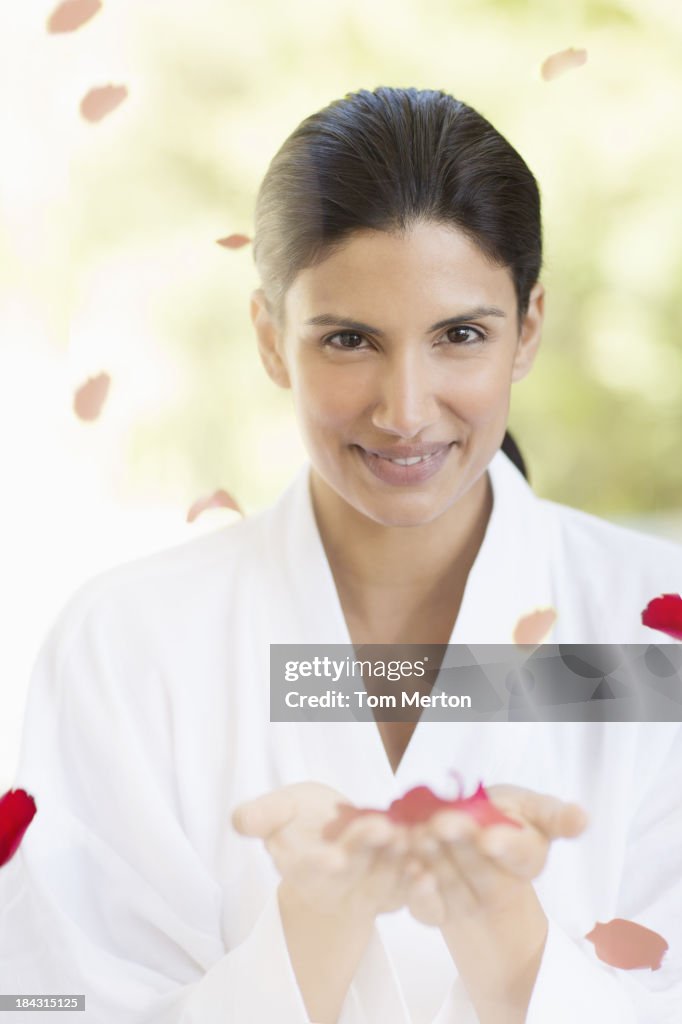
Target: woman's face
(398, 347)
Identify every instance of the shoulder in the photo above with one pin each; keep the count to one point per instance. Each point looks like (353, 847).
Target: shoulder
(196, 596)
(167, 588)
(613, 570)
(590, 535)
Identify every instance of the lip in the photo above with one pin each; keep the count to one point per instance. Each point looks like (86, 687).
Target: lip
(400, 476)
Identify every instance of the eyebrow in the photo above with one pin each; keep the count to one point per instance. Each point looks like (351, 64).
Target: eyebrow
(331, 320)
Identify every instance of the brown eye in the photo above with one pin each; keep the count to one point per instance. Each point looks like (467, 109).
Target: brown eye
(478, 335)
(344, 335)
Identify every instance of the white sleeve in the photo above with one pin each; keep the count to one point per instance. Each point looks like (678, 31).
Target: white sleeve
(106, 896)
(374, 996)
(573, 984)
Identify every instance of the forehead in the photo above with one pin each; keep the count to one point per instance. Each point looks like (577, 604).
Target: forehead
(429, 267)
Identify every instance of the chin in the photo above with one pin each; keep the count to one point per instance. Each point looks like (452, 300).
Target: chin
(387, 515)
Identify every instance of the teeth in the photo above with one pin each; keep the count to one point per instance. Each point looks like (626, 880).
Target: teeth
(409, 462)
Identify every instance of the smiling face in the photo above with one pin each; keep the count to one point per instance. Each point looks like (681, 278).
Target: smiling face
(399, 346)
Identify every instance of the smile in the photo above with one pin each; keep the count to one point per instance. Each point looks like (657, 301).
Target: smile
(404, 470)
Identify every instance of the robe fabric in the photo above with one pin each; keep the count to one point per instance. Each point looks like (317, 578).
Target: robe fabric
(147, 723)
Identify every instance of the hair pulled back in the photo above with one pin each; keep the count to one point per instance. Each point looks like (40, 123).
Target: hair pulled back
(384, 160)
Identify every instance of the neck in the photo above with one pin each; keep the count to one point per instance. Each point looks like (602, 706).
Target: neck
(370, 560)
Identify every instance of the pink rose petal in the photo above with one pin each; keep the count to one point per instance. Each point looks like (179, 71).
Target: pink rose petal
(233, 241)
(628, 945)
(219, 499)
(17, 809)
(100, 102)
(90, 397)
(420, 804)
(534, 627)
(665, 614)
(71, 15)
(559, 63)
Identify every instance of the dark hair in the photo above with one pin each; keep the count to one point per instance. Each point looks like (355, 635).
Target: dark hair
(383, 160)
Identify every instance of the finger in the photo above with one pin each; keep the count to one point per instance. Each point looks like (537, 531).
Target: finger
(462, 872)
(424, 900)
(263, 815)
(575, 821)
(371, 832)
(520, 852)
(383, 850)
(555, 817)
(390, 869)
(437, 849)
(453, 826)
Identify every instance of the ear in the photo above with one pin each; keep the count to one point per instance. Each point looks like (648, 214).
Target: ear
(531, 333)
(270, 342)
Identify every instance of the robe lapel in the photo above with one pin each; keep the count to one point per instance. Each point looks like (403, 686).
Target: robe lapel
(511, 575)
(510, 578)
(346, 755)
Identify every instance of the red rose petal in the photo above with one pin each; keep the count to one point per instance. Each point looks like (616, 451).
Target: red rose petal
(100, 101)
(534, 627)
(219, 499)
(90, 397)
(628, 945)
(559, 63)
(17, 808)
(233, 241)
(72, 14)
(418, 805)
(665, 614)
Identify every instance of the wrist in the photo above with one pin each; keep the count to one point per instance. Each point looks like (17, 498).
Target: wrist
(503, 921)
(498, 954)
(325, 947)
(344, 915)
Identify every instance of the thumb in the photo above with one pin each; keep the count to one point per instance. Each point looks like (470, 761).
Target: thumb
(264, 815)
(559, 819)
(575, 820)
(556, 818)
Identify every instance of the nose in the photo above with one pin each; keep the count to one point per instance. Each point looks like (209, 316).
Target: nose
(407, 404)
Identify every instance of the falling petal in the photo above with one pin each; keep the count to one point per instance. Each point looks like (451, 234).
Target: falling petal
(234, 241)
(17, 808)
(558, 63)
(665, 614)
(90, 397)
(101, 101)
(628, 945)
(418, 805)
(534, 627)
(72, 14)
(219, 499)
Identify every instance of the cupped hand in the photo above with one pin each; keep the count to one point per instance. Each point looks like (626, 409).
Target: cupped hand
(462, 869)
(363, 871)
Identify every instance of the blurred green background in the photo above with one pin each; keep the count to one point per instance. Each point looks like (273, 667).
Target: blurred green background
(215, 89)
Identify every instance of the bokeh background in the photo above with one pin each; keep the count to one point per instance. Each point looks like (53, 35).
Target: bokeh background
(109, 261)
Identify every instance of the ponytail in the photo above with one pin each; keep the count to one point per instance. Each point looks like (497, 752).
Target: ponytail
(510, 449)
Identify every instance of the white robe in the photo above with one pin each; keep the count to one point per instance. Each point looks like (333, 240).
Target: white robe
(147, 723)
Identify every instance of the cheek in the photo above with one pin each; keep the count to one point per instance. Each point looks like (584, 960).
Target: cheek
(330, 400)
(481, 396)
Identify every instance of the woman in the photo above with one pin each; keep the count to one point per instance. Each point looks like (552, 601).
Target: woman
(398, 243)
